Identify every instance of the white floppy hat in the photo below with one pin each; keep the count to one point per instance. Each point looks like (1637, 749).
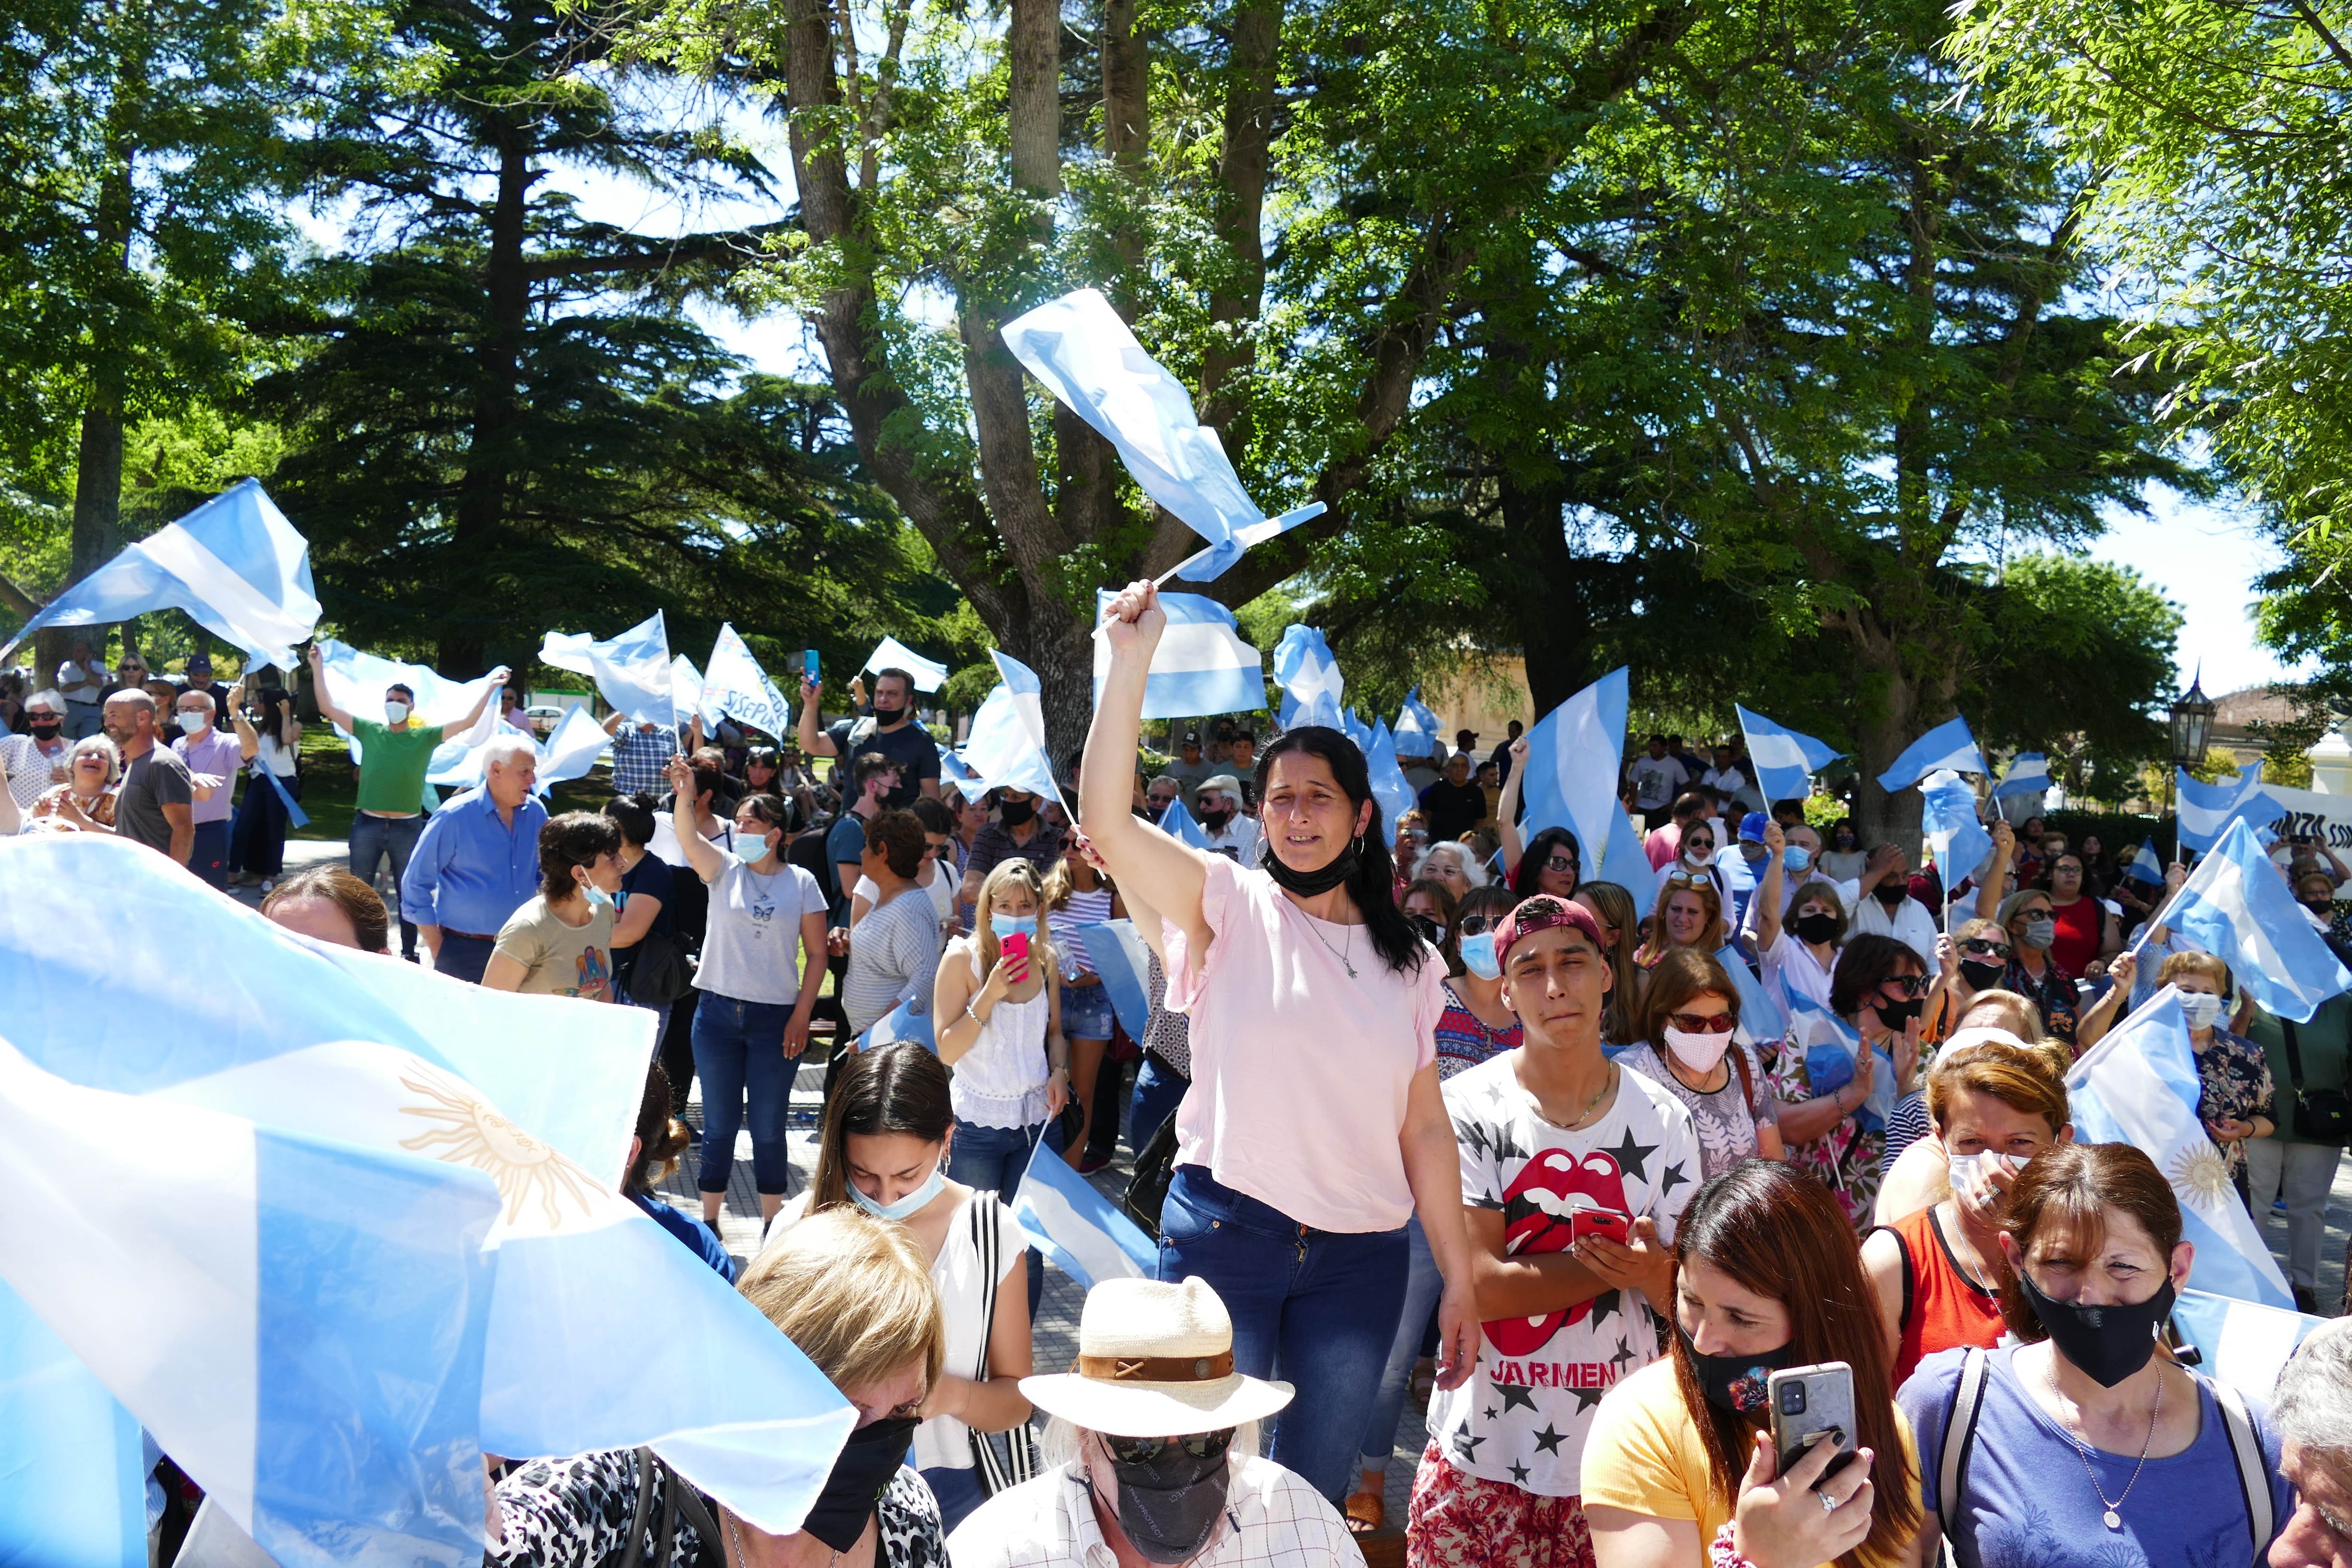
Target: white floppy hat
(1155, 1361)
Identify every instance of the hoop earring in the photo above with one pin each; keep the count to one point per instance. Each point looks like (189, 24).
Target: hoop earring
(1358, 848)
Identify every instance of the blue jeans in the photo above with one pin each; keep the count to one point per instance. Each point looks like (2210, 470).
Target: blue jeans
(1423, 1284)
(993, 1160)
(739, 1048)
(1316, 1309)
(372, 838)
(463, 957)
(208, 852)
(1159, 1090)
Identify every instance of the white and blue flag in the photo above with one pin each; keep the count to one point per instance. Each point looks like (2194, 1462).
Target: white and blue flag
(1625, 860)
(2028, 773)
(1069, 1222)
(1309, 676)
(929, 674)
(1947, 745)
(572, 747)
(2139, 1086)
(2144, 865)
(338, 1069)
(1390, 786)
(2243, 1345)
(235, 565)
(737, 687)
(1575, 754)
(1949, 818)
(2236, 907)
(73, 1463)
(1762, 1015)
(1007, 743)
(356, 682)
(632, 670)
(1178, 822)
(1201, 665)
(2206, 810)
(1117, 951)
(1418, 728)
(1785, 762)
(1084, 353)
(901, 1023)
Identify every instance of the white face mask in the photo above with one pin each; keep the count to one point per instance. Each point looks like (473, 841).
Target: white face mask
(1700, 858)
(1695, 1050)
(395, 712)
(1972, 1174)
(192, 723)
(2201, 1011)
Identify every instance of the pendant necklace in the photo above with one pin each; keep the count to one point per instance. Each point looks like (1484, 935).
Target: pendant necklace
(2111, 1518)
(1342, 957)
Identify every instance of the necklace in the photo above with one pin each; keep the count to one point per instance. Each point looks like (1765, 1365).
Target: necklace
(1336, 952)
(1959, 1231)
(2111, 1518)
(743, 1558)
(1607, 1081)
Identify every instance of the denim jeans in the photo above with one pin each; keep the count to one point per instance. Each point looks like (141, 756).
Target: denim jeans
(993, 1159)
(372, 838)
(738, 1050)
(1423, 1284)
(1159, 1090)
(208, 852)
(1316, 1309)
(463, 958)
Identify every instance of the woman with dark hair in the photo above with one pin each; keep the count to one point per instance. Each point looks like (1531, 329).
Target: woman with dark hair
(560, 942)
(1612, 908)
(653, 1148)
(1430, 905)
(1837, 1078)
(883, 1148)
(2082, 1442)
(2032, 921)
(1689, 1045)
(1679, 1467)
(1551, 862)
(644, 899)
(1308, 988)
(2088, 934)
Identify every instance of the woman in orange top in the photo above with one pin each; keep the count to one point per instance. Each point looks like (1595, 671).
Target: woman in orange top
(1995, 1103)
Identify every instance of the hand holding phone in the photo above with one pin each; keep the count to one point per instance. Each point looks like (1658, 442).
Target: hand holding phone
(1811, 1404)
(809, 668)
(1612, 1223)
(1016, 951)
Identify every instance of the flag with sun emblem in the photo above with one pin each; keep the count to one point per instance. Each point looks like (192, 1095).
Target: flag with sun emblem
(509, 1118)
(2139, 1086)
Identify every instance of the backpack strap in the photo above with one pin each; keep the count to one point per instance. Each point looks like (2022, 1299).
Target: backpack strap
(1746, 1078)
(648, 1480)
(2293, 1057)
(2246, 1447)
(1959, 1434)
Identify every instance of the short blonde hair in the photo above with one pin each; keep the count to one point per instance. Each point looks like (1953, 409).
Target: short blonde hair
(2015, 1013)
(2203, 963)
(853, 1293)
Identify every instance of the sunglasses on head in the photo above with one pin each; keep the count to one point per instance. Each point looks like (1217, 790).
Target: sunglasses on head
(1985, 947)
(1693, 1024)
(1689, 880)
(1143, 1450)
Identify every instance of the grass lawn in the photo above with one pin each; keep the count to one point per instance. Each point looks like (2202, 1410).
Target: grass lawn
(331, 785)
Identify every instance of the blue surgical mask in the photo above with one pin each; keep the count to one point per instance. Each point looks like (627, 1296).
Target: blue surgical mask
(193, 723)
(748, 849)
(1478, 956)
(598, 899)
(1012, 925)
(2202, 1012)
(1796, 856)
(912, 1203)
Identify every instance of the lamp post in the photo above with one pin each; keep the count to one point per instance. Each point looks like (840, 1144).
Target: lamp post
(2192, 727)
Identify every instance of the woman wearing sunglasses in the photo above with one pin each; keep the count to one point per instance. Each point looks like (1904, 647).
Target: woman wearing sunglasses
(1690, 1045)
(2030, 922)
(1551, 863)
(1834, 1095)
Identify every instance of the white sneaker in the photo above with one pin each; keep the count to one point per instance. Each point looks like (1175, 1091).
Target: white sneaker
(268, 883)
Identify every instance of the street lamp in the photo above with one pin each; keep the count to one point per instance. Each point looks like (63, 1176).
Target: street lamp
(2192, 724)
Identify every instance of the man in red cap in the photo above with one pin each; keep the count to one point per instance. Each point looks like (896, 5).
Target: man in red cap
(1573, 1174)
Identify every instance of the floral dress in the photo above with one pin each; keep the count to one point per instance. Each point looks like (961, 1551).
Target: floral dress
(1847, 1159)
(2234, 1079)
(2054, 994)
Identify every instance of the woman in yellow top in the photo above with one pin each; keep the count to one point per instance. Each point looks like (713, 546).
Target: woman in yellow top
(1678, 1466)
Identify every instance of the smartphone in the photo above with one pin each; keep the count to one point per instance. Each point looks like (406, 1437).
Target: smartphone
(1811, 1404)
(808, 667)
(1614, 1224)
(1016, 946)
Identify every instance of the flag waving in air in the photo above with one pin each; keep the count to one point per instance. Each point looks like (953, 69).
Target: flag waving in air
(928, 674)
(1947, 745)
(1574, 755)
(736, 685)
(1007, 744)
(2207, 810)
(1785, 761)
(1309, 678)
(632, 670)
(1201, 665)
(2028, 773)
(2236, 907)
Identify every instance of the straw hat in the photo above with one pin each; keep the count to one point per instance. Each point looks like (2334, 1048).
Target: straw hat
(1155, 1361)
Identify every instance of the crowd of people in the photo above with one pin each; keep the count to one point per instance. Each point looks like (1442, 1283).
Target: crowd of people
(1442, 1119)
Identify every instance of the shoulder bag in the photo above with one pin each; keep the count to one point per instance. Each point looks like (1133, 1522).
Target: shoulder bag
(2322, 1115)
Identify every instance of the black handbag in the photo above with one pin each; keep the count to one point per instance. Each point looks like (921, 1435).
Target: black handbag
(2322, 1115)
(1147, 1189)
(661, 974)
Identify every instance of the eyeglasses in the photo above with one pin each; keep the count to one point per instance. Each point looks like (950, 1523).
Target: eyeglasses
(1984, 947)
(1559, 863)
(1911, 984)
(1143, 1450)
(1695, 1023)
(1474, 925)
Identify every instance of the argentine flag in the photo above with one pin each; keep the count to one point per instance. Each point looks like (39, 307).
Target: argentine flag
(1624, 861)
(2144, 866)
(235, 565)
(1949, 816)
(2139, 1086)
(900, 1022)
(2236, 907)
(1084, 353)
(2206, 810)
(1574, 755)
(1118, 955)
(632, 670)
(1785, 761)
(2028, 773)
(891, 654)
(1069, 1222)
(1007, 743)
(342, 1073)
(1390, 786)
(1947, 745)
(1418, 728)
(1201, 665)
(356, 682)
(1309, 678)
(2243, 1345)
(1178, 822)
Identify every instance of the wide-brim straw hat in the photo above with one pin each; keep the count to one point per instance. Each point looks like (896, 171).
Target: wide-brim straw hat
(1155, 1359)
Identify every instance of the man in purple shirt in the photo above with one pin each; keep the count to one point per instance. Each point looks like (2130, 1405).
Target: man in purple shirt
(213, 762)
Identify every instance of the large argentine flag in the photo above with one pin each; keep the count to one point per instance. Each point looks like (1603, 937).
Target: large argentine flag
(235, 565)
(736, 685)
(2206, 810)
(929, 675)
(2235, 906)
(356, 682)
(306, 1042)
(1007, 744)
(1201, 665)
(632, 670)
(1785, 761)
(2243, 1345)
(1947, 745)
(2139, 1086)
(1574, 755)
(1118, 955)
(1077, 1227)
(1083, 351)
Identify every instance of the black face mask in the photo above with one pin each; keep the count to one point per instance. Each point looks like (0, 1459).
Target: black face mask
(45, 731)
(2108, 1343)
(1737, 1383)
(1895, 1014)
(1981, 976)
(1890, 893)
(2316, 906)
(1431, 932)
(1308, 884)
(1169, 1504)
(860, 1476)
(1817, 928)
(1014, 812)
(887, 716)
(1216, 819)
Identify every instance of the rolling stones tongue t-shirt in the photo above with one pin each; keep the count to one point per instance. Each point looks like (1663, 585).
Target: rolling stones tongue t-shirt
(1522, 1418)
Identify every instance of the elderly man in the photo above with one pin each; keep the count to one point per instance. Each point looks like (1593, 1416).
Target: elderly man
(213, 762)
(2313, 1408)
(1231, 832)
(82, 682)
(476, 862)
(153, 804)
(1881, 904)
(396, 753)
(1162, 792)
(641, 753)
(1154, 1452)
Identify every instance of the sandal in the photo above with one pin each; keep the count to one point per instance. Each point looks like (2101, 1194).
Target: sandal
(1424, 1382)
(1367, 1513)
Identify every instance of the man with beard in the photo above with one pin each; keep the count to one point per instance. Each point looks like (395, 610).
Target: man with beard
(1218, 804)
(891, 731)
(1881, 904)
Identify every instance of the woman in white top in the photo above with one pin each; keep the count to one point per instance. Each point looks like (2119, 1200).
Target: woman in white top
(256, 836)
(999, 1026)
(1800, 948)
(885, 1147)
(1077, 895)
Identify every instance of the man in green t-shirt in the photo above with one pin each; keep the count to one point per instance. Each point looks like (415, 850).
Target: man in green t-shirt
(2303, 1168)
(396, 753)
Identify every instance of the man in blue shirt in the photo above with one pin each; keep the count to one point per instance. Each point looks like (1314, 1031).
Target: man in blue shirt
(476, 862)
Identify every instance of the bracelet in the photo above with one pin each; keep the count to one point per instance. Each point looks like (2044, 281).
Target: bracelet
(1722, 1552)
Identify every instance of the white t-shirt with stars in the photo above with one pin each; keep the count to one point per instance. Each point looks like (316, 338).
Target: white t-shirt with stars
(1521, 1419)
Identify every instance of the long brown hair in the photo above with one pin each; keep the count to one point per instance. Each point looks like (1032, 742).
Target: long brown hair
(1656, 943)
(1778, 1232)
(2066, 1187)
(1620, 1016)
(898, 1088)
(1683, 975)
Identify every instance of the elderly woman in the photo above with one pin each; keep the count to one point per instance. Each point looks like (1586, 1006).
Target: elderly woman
(1454, 864)
(85, 802)
(852, 1292)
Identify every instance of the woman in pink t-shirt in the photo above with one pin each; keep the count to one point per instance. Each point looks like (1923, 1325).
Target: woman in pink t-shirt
(1313, 1128)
